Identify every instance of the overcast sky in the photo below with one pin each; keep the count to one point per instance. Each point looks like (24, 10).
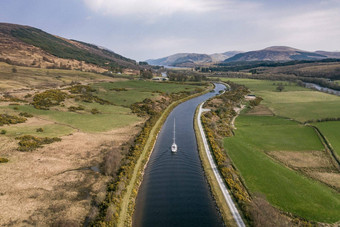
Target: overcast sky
(143, 29)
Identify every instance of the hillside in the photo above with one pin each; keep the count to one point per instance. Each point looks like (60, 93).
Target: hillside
(181, 59)
(218, 57)
(28, 46)
(191, 59)
(282, 53)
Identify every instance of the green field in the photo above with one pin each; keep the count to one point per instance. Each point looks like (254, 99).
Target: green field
(294, 102)
(110, 117)
(284, 188)
(50, 130)
(137, 90)
(331, 130)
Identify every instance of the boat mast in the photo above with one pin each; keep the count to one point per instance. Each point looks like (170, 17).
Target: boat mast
(174, 129)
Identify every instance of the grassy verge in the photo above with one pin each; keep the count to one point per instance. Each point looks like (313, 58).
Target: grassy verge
(215, 189)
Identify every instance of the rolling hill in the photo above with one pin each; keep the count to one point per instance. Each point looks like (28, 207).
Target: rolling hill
(191, 59)
(24, 45)
(282, 53)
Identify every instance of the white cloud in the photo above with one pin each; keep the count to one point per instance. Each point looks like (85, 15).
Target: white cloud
(318, 27)
(151, 8)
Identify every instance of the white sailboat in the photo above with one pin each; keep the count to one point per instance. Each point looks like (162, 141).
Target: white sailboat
(174, 145)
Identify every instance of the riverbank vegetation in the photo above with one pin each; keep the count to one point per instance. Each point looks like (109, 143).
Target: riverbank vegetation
(262, 148)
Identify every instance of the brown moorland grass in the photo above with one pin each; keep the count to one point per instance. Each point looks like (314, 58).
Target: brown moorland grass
(27, 78)
(54, 184)
(330, 178)
(300, 159)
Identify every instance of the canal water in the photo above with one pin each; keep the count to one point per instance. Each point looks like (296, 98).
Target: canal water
(174, 191)
(322, 89)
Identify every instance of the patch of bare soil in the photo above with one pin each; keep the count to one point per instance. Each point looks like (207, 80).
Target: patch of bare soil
(260, 110)
(237, 110)
(54, 184)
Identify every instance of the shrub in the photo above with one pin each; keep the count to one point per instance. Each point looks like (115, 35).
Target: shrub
(10, 119)
(81, 89)
(48, 98)
(3, 160)
(112, 162)
(95, 111)
(9, 98)
(24, 114)
(14, 70)
(40, 130)
(118, 89)
(255, 102)
(30, 143)
(3, 132)
(75, 108)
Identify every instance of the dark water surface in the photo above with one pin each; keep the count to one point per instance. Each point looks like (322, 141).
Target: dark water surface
(174, 191)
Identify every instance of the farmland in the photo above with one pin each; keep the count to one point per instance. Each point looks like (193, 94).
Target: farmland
(331, 130)
(283, 187)
(284, 160)
(294, 102)
(136, 91)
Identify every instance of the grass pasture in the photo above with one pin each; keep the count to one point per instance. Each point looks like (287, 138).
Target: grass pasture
(110, 117)
(331, 130)
(137, 90)
(283, 187)
(294, 102)
(49, 130)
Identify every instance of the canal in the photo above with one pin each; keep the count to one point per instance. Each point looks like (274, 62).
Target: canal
(174, 191)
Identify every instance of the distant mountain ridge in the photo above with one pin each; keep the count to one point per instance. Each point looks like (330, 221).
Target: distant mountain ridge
(274, 53)
(282, 53)
(27, 45)
(191, 59)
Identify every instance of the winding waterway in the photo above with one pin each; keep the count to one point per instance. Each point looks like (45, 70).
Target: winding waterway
(174, 191)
